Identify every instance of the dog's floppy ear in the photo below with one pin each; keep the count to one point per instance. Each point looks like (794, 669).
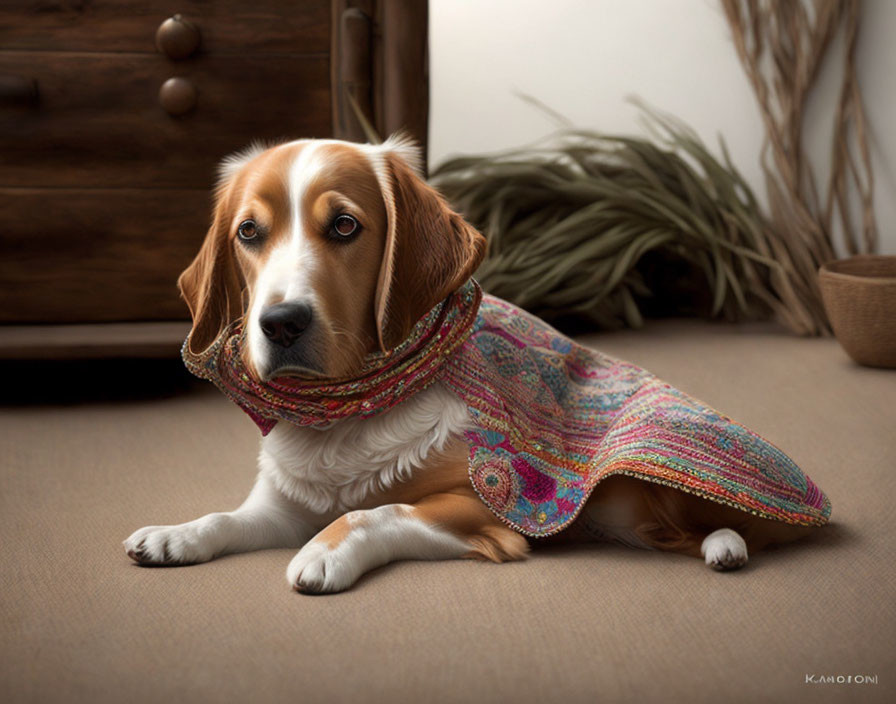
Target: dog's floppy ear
(212, 285)
(430, 250)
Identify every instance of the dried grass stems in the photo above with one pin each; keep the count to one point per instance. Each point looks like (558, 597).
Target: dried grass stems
(571, 221)
(781, 44)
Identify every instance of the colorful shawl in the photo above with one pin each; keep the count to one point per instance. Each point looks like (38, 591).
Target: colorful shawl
(549, 418)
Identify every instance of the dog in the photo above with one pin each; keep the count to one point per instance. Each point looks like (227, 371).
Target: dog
(327, 251)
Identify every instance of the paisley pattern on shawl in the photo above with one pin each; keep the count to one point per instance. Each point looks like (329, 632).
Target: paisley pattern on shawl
(551, 418)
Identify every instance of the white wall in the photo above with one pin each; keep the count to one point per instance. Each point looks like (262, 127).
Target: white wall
(583, 57)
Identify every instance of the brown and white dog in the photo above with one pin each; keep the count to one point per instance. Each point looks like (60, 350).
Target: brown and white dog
(332, 250)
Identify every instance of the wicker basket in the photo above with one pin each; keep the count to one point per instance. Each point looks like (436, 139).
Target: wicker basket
(859, 295)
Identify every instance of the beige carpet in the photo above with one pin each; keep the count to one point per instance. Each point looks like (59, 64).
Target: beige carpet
(80, 623)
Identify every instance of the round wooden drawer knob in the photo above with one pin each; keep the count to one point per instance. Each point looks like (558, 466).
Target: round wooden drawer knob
(177, 96)
(177, 37)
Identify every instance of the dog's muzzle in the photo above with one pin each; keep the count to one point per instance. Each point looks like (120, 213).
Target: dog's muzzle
(289, 330)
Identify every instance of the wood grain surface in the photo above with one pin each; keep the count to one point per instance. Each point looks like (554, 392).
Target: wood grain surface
(92, 341)
(98, 122)
(226, 26)
(93, 255)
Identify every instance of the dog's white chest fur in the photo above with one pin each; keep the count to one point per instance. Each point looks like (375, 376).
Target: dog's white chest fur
(333, 470)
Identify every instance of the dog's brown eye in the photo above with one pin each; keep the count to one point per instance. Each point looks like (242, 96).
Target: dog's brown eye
(345, 226)
(248, 230)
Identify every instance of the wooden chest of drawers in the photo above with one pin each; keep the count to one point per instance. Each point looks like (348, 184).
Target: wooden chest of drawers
(105, 179)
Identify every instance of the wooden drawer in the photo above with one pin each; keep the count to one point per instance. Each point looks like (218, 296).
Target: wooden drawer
(98, 121)
(97, 255)
(226, 26)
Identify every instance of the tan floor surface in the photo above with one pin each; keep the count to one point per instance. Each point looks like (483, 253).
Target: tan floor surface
(80, 623)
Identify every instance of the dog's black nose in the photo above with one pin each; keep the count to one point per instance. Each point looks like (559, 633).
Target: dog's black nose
(284, 323)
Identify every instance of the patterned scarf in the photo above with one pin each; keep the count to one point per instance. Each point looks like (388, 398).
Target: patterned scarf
(549, 418)
(385, 379)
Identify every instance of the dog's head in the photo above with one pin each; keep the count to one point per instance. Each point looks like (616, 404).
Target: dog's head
(328, 250)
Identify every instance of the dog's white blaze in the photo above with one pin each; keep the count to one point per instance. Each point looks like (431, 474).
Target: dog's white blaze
(288, 272)
(285, 277)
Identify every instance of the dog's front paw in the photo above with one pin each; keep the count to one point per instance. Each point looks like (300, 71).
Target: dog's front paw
(184, 544)
(724, 549)
(317, 569)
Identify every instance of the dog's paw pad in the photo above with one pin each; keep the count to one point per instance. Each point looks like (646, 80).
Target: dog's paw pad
(724, 549)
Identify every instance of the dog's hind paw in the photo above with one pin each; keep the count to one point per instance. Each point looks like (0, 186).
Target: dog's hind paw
(724, 549)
